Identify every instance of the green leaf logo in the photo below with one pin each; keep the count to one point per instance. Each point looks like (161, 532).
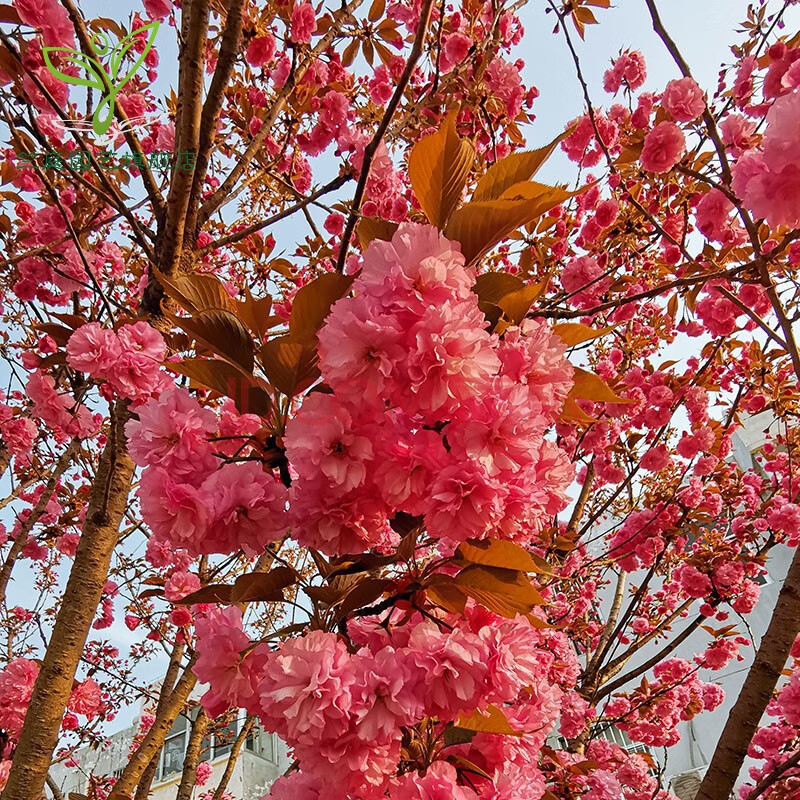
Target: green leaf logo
(107, 82)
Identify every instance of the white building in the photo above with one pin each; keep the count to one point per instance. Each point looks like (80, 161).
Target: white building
(261, 761)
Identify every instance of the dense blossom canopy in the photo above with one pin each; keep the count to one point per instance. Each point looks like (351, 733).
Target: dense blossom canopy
(320, 399)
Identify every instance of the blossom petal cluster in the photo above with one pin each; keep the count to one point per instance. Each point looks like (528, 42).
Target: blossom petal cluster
(429, 413)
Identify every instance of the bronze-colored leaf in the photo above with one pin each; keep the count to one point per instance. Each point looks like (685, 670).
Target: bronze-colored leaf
(517, 304)
(196, 292)
(263, 586)
(213, 593)
(588, 386)
(481, 225)
(493, 720)
(465, 764)
(290, 363)
(363, 594)
(497, 553)
(376, 10)
(371, 228)
(573, 333)
(514, 168)
(313, 303)
(255, 313)
(448, 596)
(572, 412)
(438, 167)
(455, 735)
(506, 592)
(492, 287)
(223, 334)
(227, 380)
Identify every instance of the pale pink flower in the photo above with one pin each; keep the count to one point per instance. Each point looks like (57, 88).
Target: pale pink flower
(304, 22)
(663, 147)
(306, 690)
(260, 50)
(181, 584)
(226, 661)
(684, 100)
(438, 783)
(322, 438)
(173, 432)
(16, 687)
(86, 699)
(93, 349)
(158, 9)
(768, 182)
(449, 669)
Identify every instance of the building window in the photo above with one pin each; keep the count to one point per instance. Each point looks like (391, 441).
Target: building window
(171, 761)
(263, 744)
(614, 735)
(224, 738)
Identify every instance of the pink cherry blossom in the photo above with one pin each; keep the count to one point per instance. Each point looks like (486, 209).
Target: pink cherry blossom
(663, 147)
(303, 22)
(683, 98)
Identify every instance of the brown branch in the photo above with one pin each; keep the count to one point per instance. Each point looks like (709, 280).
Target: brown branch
(753, 316)
(194, 19)
(237, 236)
(608, 628)
(583, 499)
(26, 527)
(88, 575)
(130, 137)
(153, 740)
(614, 666)
(756, 692)
(224, 191)
(167, 687)
(228, 52)
(372, 147)
(232, 757)
(776, 775)
(192, 759)
(119, 202)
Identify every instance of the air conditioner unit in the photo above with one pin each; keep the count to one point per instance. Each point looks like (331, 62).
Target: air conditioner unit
(685, 785)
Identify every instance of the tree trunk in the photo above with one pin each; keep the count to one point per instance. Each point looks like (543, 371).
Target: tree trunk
(757, 691)
(154, 739)
(87, 578)
(189, 776)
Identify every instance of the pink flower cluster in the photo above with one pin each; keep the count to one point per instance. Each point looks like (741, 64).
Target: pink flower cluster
(128, 359)
(17, 681)
(429, 413)
(343, 710)
(629, 68)
(768, 181)
(59, 411)
(192, 500)
(676, 694)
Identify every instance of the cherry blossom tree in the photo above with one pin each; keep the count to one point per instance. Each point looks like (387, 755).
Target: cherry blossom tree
(345, 416)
